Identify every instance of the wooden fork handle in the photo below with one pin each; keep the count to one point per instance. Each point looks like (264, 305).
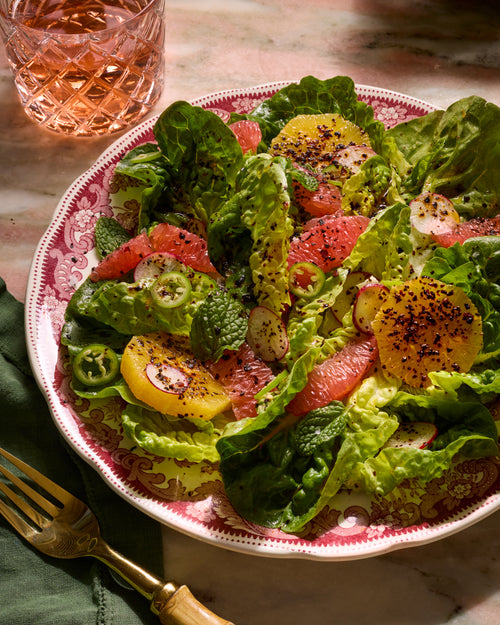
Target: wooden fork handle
(182, 608)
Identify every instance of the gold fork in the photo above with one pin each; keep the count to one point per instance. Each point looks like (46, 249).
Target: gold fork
(67, 528)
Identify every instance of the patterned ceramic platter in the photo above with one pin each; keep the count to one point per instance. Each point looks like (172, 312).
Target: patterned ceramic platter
(190, 497)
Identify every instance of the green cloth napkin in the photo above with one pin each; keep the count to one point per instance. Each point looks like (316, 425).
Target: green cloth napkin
(36, 589)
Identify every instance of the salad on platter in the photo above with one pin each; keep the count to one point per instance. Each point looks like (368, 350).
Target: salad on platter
(308, 299)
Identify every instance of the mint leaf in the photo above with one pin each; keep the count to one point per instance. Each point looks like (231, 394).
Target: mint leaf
(320, 427)
(109, 235)
(219, 323)
(308, 181)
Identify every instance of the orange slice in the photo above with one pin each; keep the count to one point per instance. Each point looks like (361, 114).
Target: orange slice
(426, 325)
(162, 372)
(312, 140)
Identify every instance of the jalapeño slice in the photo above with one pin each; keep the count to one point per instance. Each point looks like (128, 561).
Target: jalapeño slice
(306, 279)
(95, 365)
(171, 289)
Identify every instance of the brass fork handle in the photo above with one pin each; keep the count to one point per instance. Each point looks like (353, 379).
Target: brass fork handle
(174, 604)
(182, 608)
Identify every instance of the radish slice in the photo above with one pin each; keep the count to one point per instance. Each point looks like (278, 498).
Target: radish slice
(369, 299)
(167, 378)
(432, 213)
(353, 157)
(266, 334)
(347, 296)
(153, 265)
(418, 434)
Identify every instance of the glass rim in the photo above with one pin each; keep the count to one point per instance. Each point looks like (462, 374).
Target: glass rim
(6, 16)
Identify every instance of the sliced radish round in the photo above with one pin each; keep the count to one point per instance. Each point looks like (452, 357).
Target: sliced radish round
(369, 299)
(347, 296)
(353, 156)
(417, 434)
(167, 378)
(153, 265)
(266, 334)
(432, 213)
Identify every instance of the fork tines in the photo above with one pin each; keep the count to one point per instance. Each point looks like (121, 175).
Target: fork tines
(24, 502)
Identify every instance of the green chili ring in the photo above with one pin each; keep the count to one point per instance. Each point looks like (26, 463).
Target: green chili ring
(95, 365)
(306, 279)
(171, 289)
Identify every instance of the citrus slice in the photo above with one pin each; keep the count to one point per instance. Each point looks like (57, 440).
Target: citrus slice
(327, 242)
(186, 246)
(162, 372)
(336, 377)
(243, 375)
(248, 133)
(475, 227)
(123, 259)
(426, 325)
(325, 200)
(312, 140)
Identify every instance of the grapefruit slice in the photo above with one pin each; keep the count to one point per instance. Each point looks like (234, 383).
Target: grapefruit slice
(336, 377)
(123, 259)
(243, 375)
(187, 247)
(248, 133)
(426, 325)
(328, 242)
(312, 140)
(325, 200)
(476, 227)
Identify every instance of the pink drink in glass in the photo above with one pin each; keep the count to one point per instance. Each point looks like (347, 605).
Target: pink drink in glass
(86, 67)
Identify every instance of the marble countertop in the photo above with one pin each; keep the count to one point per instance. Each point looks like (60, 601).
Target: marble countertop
(435, 50)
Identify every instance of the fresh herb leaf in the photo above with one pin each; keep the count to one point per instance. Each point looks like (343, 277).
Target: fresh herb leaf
(320, 427)
(220, 323)
(109, 235)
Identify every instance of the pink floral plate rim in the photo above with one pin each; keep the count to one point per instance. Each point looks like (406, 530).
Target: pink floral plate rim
(190, 498)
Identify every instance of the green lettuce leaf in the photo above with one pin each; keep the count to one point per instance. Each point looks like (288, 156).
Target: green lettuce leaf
(148, 165)
(454, 152)
(465, 427)
(307, 317)
(362, 192)
(229, 241)
(130, 308)
(385, 247)
(473, 267)
(204, 157)
(79, 330)
(265, 204)
(184, 439)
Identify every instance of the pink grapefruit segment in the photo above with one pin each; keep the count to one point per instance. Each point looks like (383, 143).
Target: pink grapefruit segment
(336, 377)
(325, 200)
(476, 227)
(123, 259)
(243, 375)
(248, 134)
(187, 247)
(328, 242)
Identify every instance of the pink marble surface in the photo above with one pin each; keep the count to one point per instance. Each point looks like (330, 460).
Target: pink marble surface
(435, 50)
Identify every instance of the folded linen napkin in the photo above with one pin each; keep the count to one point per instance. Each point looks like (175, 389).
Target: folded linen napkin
(36, 589)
